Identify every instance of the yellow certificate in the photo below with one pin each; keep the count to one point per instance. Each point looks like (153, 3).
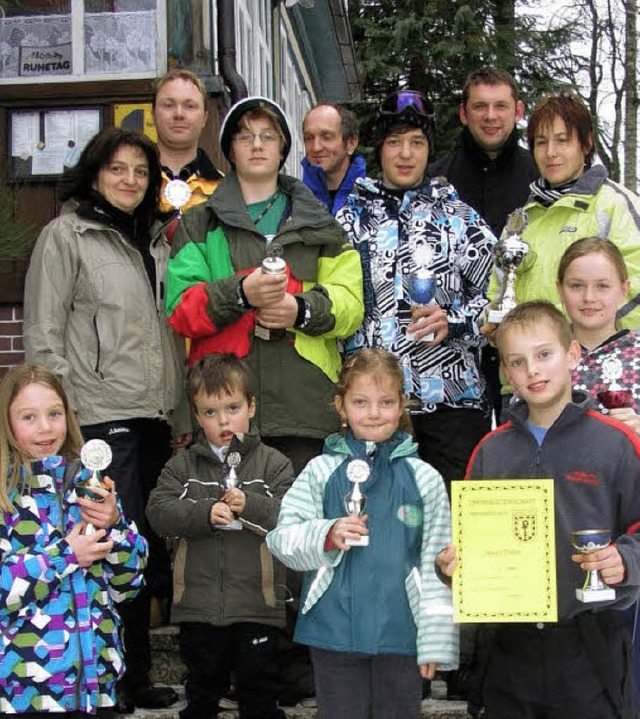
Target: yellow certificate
(504, 532)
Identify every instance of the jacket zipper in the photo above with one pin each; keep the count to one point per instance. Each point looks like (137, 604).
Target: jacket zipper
(95, 329)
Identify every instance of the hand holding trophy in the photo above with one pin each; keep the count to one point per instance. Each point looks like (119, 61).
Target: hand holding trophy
(593, 589)
(358, 471)
(96, 456)
(422, 284)
(509, 253)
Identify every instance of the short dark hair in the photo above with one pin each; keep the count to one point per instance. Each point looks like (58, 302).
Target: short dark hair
(530, 313)
(218, 374)
(489, 76)
(349, 123)
(78, 181)
(570, 107)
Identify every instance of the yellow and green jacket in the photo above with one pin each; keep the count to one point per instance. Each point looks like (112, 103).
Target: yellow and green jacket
(596, 206)
(214, 246)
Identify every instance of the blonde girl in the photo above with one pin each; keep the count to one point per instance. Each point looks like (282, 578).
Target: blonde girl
(60, 651)
(593, 283)
(374, 616)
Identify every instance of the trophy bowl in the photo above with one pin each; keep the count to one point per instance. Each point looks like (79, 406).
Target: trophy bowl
(586, 541)
(615, 398)
(421, 286)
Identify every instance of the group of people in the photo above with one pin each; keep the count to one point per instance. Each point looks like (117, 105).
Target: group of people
(332, 409)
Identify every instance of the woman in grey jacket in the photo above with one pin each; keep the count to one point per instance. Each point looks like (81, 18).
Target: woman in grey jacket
(94, 314)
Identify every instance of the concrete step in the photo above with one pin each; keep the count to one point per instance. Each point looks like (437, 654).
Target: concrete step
(434, 708)
(168, 669)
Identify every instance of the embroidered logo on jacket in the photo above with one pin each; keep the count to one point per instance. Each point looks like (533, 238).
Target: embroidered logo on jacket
(582, 477)
(568, 228)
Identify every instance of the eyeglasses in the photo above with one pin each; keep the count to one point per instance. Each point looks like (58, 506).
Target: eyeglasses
(249, 138)
(401, 101)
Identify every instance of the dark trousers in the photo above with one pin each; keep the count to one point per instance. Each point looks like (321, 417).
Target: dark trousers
(549, 673)
(210, 653)
(140, 449)
(365, 686)
(447, 437)
(299, 450)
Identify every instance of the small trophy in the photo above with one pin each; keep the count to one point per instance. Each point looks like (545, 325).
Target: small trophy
(230, 482)
(422, 284)
(593, 589)
(509, 253)
(273, 264)
(96, 456)
(615, 397)
(358, 471)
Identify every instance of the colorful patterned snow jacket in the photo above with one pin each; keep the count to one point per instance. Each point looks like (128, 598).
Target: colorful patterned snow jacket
(589, 376)
(387, 227)
(60, 649)
(384, 598)
(216, 244)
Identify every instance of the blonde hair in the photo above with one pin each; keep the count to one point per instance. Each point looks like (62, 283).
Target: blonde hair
(529, 314)
(375, 362)
(591, 245)
(12, 458)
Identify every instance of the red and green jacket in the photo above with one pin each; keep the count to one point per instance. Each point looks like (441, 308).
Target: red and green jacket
(216, 244)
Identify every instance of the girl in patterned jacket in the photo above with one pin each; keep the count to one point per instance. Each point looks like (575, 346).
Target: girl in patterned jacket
(593, 283)
(373, 612)
(60, 649)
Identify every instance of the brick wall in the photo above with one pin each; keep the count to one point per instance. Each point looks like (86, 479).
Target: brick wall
(11, 347)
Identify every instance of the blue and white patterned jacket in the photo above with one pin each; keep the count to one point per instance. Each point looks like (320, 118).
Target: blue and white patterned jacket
(60, 649)
(386, 227)
(346, 603)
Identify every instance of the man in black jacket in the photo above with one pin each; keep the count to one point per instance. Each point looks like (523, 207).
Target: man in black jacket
(492, 173)
(490, 170)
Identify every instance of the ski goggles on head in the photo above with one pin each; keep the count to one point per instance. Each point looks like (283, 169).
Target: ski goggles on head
(404, 102)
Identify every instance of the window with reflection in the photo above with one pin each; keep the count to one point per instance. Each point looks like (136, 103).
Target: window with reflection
(38, 38)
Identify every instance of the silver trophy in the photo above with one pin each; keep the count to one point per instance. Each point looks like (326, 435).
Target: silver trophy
(96, 456)
(358, 471)
(422, 284)
(177, 193)
(230, 482)
(273, 264)
(615, 396)
(593, 589)
(509, 253)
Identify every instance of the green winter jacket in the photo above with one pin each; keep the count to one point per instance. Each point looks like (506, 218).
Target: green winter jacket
(214, 246)
(223, 576)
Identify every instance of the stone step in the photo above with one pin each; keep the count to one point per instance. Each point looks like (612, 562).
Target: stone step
(168, 669)
(434, 708)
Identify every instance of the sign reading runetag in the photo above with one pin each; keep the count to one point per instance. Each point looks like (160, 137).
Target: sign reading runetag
(358, 471)
(177, 193)
(95, 455)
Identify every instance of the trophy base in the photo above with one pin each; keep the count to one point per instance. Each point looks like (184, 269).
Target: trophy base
(362, 542)
(234, 525)
(496, 316)
(427, 338)
(268, 335)
(587, 596)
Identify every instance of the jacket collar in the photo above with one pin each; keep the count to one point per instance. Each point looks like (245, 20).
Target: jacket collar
(245, 446)
(468, 143)
(580, 401)
(400, 444)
